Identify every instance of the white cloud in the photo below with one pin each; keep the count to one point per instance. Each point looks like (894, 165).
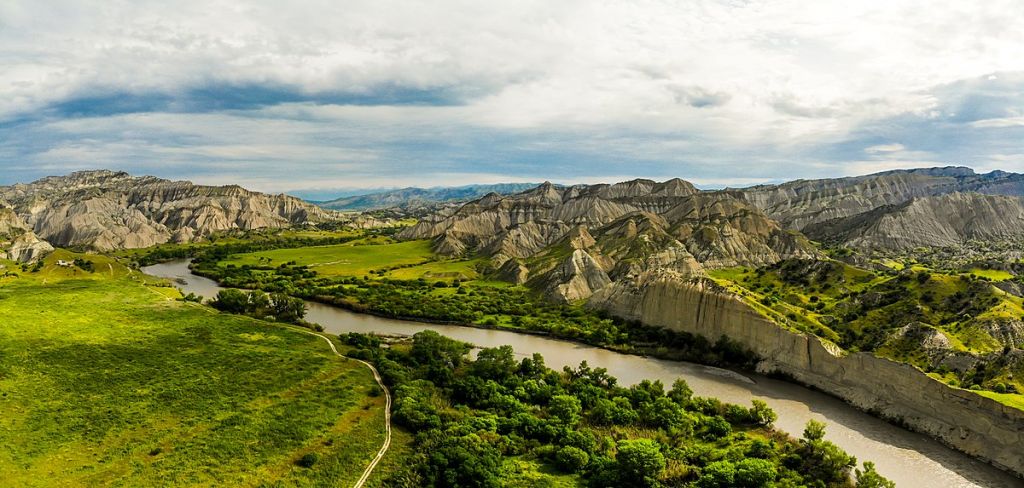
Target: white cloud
(885, 148)
(999, 123)
(544, 62)
(705, 82)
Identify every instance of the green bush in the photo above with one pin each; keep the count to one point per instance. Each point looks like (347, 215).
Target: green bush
(308, 460)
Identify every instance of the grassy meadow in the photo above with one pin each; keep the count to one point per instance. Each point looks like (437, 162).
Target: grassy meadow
(105, 379)
(375, 256)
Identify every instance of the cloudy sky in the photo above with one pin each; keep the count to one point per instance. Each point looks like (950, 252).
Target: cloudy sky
(381, 93)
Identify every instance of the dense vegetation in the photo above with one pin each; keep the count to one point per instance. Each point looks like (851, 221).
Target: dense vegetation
(475, 418)
(277, 306)
(107, 380)
(479, 303)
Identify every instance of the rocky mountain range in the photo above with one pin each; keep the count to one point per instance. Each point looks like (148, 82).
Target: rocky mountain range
(408, 198)
(572, 241)
(105, 210)
(800, 203)
(948, 221)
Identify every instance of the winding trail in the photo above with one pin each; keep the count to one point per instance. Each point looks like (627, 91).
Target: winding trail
(387, 411)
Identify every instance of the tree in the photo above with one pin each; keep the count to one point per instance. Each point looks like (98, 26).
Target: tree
(762, 414)
(495, 363)
(231, 301)
(462, 461)
(571, 459)
(755, 473)
(719, 474)
(680, 392)
(869, 478)
(566, 409)
(639, 462)
(259, 303)
(286, 308)
(822, 459)
(814, 430)
(438, 355)
(666, 414)
(716, 427)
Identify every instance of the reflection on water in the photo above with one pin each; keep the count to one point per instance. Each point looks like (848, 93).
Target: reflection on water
(909, 459)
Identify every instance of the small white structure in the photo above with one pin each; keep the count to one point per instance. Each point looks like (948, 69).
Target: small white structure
(66, 264)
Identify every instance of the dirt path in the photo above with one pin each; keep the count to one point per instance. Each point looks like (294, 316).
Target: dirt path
(387, 412)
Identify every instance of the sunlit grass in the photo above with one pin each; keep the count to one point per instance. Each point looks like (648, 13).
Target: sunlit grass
(107, 381)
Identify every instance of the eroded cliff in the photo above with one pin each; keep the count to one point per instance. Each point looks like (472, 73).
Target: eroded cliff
(962, 419)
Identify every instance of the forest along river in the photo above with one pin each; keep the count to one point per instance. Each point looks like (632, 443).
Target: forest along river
(907, 458)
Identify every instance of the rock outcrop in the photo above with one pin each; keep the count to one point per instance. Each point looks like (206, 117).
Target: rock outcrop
(104, 210)
(799, 203)
(969, 422)
(28, 248)
(949, 220)
(17, 243)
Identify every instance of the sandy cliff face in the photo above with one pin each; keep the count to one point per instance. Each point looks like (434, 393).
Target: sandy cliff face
(104, 210)
(966, 421)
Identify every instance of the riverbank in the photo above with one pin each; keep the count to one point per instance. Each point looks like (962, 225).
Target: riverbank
(725, 353)
(908, 458)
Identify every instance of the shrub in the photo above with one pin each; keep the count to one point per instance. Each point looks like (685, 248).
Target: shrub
(308, 460)
(571, 459)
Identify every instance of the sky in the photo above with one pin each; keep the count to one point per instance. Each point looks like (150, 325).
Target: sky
(282, 96)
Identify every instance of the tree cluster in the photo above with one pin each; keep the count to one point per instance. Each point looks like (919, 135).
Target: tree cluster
(470, 416)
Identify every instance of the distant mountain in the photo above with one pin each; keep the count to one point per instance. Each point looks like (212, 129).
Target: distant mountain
(571, 242)
(105, 210)
(417, 197)
(950, 220)
(799, 203)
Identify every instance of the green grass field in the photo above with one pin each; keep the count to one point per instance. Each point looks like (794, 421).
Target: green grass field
(1015, 400)
(992, 274)
(104, 380)
(350, 259)
(408, 260)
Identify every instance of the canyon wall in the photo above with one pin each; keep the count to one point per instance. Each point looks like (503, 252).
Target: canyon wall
(973, 424)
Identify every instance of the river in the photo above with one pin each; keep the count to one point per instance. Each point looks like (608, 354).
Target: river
(908, 458)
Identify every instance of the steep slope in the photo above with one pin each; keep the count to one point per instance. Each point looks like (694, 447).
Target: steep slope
(17, 242)
(10, 223)
(949, 220)
(800, 203)
(571, 242)
(413, 197)
(104, 210)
